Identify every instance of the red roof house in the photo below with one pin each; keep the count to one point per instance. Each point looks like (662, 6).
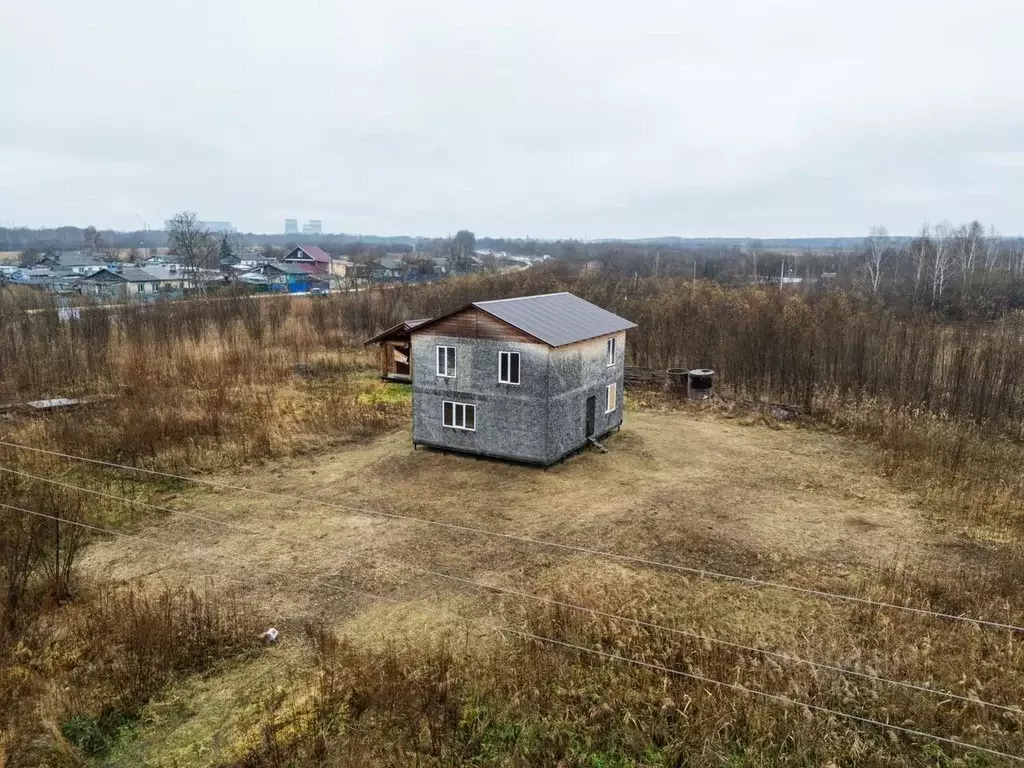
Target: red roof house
(311, 255)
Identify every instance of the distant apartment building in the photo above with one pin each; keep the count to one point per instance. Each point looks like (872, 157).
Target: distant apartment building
(291, 226)
(314, 227)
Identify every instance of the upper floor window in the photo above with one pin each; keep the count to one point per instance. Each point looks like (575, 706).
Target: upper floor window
(508, 367)
(446, 361)
(611, 351)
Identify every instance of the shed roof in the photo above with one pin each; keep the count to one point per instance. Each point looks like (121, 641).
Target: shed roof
(70, 259)
(288, 268)
(397, 331)
(127, 274)
(556, 319)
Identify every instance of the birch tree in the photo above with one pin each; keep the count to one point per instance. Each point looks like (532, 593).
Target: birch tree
(879, 250)
(993, 251)
(969, 238)
(942, 261)
(920, 251)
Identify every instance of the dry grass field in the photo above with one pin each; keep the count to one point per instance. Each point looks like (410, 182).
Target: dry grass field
(900, 482)
(688, 487)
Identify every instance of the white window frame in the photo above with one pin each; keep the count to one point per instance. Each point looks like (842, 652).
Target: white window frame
(611, 395)
(519, 368)
(448, 373)
(611, 351)
(455, 415)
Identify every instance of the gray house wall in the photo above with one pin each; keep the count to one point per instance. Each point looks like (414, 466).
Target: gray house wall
(579, 371)
(510, 419)
(540, 420)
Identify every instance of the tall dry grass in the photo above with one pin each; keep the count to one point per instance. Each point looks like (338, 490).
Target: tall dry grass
(77, 676)
(196, 384)
(211, 383)
(217, 382)
(457, 702)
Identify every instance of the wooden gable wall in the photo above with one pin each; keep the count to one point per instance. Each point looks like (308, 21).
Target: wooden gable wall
(474, 323)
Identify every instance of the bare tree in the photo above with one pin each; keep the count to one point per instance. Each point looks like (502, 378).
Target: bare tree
(65, 543)
(969, 239)
(91, 238)
(1017, 258)
(879, 250)
(21, 543)
(942, 263)
(993, 251)
(920, 252)
(752, 255)
(193, 243)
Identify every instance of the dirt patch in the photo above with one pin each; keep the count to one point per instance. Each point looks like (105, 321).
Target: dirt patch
(695, 490)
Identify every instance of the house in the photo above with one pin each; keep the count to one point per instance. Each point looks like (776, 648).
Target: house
(424, 266)
(395, 355)
(310, 255)
(176, 277)
(72, 261)
(388, 268)
(287, 277)
(121, 283)
(343, 268)
(531, 379)
(47, 279)
(136, 282)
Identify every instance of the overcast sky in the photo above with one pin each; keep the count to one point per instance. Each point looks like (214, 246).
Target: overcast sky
(582, 119)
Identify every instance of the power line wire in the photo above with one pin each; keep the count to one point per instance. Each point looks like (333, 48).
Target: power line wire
(158, 543)
(551, 601)
(772, 696)
(616, 657)
(701, 572)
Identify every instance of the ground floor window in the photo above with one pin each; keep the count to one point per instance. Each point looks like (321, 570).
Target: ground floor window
(610, 406)
(459, 415)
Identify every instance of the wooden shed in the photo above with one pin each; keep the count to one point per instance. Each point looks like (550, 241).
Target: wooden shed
(395, 355)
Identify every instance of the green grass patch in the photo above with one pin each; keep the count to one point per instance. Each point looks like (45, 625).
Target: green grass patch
(387, 394)
(203, 720)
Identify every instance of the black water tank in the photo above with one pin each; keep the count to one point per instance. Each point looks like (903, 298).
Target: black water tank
(701, 382)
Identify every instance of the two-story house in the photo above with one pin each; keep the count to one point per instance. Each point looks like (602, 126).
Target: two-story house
(529, 379)
(311, 256)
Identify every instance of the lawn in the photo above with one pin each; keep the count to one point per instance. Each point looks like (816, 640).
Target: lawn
(705, 490)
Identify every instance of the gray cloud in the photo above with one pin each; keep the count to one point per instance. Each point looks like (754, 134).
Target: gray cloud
(739, 117)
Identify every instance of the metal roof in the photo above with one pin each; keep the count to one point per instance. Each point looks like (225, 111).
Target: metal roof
(315, 252)
(556, 319)
(289, 268)
(70, 259)
(127, 274)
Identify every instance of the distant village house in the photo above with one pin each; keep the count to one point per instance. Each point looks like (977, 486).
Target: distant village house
(310, 255)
